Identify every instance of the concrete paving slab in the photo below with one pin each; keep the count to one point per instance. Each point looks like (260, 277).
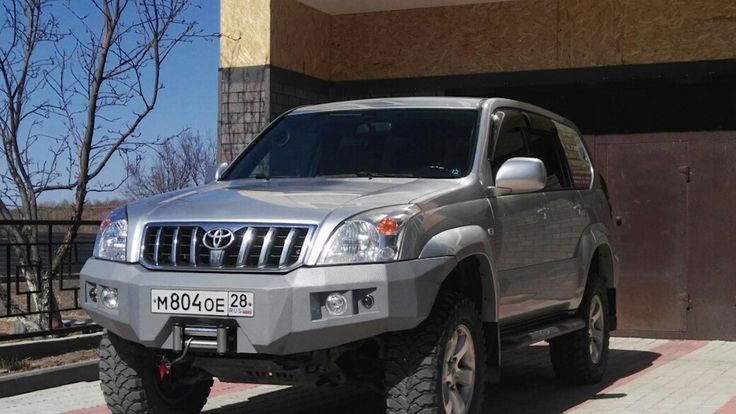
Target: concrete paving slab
(644, 376)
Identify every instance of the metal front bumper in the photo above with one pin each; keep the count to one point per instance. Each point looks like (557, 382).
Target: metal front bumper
(289, 312)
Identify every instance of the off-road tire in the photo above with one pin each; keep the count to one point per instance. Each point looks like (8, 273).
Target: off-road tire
(128, 380)
(414, 359)
(571, 356)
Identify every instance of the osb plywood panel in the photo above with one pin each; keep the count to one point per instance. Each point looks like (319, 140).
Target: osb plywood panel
(496, 37)
(589, 33)
(246, 32)
(479, 38)
(678, 30)
(300, 39)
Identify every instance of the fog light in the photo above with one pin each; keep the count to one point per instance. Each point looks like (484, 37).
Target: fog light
(367, 301)
(336, 304)
(109, 297)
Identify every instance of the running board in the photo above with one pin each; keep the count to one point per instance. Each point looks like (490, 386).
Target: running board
(541, 333)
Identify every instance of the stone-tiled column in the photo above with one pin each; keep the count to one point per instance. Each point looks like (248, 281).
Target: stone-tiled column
(245, 48)
(244, 107)
(259, 37)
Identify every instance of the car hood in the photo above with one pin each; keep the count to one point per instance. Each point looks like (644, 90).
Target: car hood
(305, 201)
(321, 202)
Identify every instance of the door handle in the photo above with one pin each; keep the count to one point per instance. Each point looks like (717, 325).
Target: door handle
(543, 212)
(579, 208)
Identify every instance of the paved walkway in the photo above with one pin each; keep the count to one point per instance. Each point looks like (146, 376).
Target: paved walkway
(644, 376)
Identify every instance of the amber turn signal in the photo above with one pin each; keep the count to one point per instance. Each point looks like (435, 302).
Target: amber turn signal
(387, 226)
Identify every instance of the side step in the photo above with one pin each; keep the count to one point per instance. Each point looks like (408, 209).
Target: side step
(541, 333)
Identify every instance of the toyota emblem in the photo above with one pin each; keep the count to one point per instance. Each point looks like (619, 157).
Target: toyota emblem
(218, 239)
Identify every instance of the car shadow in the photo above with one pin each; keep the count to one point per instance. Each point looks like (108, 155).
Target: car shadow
(528, 385)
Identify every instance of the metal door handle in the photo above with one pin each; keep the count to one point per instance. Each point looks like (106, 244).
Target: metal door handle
(579, 208)
(543, 212)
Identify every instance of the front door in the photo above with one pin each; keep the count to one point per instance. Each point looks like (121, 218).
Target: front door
(519, 220)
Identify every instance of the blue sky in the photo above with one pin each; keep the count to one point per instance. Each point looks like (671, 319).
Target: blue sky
(189, 98)
(190, 80)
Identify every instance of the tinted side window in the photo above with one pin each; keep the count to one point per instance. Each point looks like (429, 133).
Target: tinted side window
(510, 141)
(577, 157)
(543, 144)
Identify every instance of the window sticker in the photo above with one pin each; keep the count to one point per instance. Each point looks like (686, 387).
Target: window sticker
(577, 158)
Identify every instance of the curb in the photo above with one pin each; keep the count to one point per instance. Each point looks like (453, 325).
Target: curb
(43, 378)
(47, 347)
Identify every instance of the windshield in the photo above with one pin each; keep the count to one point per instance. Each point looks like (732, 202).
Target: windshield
(428, 143)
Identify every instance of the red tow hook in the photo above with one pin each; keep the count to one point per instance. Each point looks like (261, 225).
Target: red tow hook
(163, 370)
(164, 367)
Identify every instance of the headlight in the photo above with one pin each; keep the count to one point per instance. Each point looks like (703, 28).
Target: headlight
(370, 237)
(113, 236)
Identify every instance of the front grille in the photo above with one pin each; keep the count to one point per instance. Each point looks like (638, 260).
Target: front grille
(254, 247)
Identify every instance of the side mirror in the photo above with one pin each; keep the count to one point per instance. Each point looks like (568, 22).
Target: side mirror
(214, 172)
(521, 175)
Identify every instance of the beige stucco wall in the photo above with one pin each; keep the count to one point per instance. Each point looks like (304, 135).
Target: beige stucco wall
(493, 37)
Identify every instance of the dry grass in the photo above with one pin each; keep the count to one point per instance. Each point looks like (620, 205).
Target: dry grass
(27, 364)
(14, 364)
(63, 210)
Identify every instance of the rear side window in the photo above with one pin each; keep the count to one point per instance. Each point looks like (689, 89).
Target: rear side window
(577, 158)
(543, 144)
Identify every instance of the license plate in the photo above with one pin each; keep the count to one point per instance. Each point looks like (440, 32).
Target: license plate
(202, 302)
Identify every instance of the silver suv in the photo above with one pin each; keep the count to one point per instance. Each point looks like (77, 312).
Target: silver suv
(401, 244)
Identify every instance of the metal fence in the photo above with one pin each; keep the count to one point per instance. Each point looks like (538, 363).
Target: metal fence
(63, 284)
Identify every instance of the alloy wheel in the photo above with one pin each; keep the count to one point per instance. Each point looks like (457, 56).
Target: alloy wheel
(596, 326)
(458, 371)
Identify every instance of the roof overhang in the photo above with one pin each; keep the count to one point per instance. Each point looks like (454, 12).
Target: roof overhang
(362, 6)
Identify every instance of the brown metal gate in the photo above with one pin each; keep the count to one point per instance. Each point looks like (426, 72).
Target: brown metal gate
(674, 196)
(712, 236)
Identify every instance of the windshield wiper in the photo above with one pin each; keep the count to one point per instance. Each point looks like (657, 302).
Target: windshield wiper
(348, 175)
(371, 174)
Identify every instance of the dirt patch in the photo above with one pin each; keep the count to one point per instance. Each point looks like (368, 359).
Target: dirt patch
(13, 366)
(7, 325)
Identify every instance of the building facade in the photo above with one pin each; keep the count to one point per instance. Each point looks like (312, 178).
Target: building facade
(652, 84)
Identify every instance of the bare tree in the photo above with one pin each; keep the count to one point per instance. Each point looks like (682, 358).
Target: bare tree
(178, 163)
(76, 81)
